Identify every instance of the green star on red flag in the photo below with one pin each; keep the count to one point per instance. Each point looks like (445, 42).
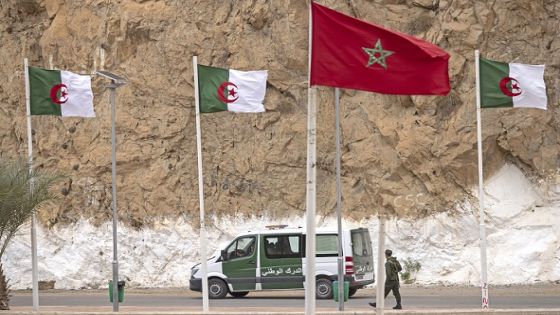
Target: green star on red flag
(377, 55)
(357, 58)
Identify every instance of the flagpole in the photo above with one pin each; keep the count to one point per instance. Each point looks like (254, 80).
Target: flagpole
(203, 260)
(483, 261)
(311, 203)
(310, 184)
(380, 295)
(34, 271)
(340, 259)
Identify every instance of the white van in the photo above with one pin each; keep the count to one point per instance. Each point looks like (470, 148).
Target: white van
(274, 259)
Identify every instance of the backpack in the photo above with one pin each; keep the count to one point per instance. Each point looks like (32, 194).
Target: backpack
(394, 267)
(398, 265)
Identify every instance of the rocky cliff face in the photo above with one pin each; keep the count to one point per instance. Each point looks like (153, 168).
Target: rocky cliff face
(409, 156)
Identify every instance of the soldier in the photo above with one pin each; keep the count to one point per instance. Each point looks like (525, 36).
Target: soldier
(392, 269)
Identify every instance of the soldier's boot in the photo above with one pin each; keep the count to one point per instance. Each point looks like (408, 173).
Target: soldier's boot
(398, 307)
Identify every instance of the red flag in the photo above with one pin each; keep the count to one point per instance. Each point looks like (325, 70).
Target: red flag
(350, 53)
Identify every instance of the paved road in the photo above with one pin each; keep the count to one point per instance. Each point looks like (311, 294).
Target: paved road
(283, 300)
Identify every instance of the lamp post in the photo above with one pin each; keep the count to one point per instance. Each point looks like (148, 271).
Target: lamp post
(116, 82)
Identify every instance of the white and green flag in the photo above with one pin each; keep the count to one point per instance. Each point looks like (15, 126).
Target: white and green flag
(511, 85)
(231, 90)
(60, 93)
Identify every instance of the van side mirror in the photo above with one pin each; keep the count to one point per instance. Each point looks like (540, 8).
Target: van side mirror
(223, 255)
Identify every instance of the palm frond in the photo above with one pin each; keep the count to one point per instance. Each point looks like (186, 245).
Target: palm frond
(21, 193)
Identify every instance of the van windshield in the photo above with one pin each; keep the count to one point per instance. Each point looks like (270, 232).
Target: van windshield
(242, 247)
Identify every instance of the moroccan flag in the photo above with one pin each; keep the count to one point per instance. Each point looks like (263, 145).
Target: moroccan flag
(231, 90)
(511, 85)
(350, 53)
(60, 93)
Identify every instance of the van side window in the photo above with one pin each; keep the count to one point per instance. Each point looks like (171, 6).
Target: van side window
(242, 247)
(282, 246)
(327, 245)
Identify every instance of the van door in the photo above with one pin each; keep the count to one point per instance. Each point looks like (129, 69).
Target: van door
(326, 254)
(362, 254)
(281, 266)
(240, 263)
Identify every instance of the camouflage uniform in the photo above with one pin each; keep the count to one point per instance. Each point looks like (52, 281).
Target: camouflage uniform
(392, 269)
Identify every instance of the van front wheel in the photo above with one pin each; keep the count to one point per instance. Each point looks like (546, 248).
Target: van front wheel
(323, 290)
(217, 289)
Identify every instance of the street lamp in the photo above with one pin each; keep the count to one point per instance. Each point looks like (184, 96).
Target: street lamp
(116, 82)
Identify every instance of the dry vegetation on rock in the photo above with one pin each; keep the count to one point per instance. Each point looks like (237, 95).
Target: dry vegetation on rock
(255, 164)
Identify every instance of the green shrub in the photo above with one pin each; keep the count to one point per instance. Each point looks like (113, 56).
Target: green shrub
(411, 268)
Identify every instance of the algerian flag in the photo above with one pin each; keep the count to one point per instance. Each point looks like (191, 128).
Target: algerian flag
(231, 90)
(511, 85)
(60, 93)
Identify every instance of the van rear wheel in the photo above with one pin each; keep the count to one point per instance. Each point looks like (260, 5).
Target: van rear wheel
(239, 294)
(217, 288)
(323, 290)
(352, 291)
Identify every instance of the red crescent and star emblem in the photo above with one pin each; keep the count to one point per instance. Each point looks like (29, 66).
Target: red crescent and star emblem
(231, 89)
(63, 94)
(513, 90)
